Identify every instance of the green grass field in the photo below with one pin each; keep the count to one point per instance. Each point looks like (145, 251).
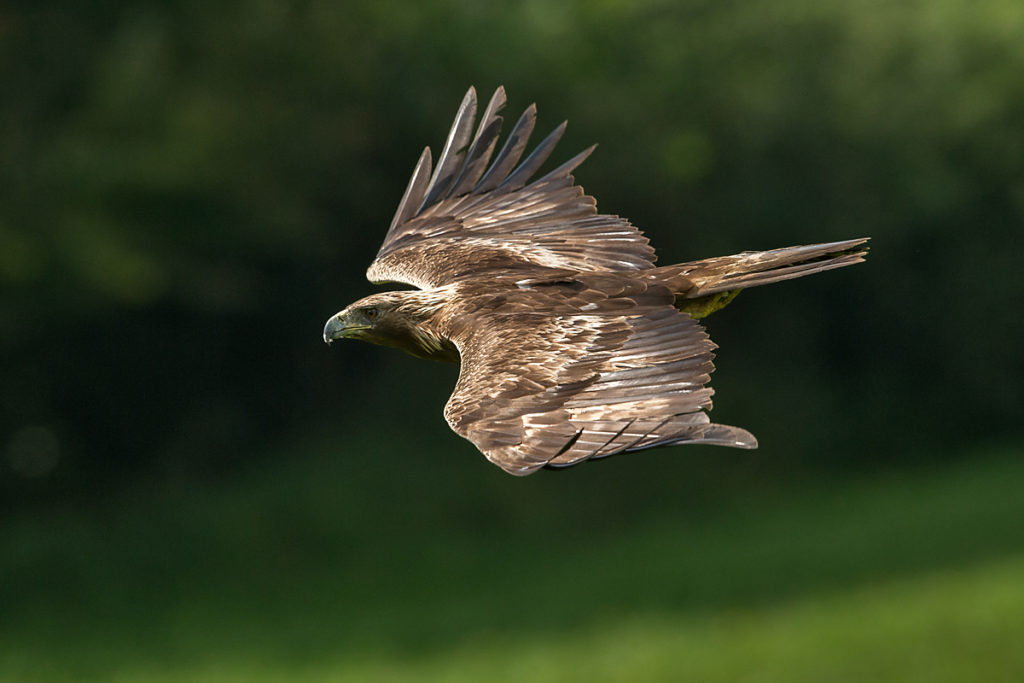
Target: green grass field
(334, 569)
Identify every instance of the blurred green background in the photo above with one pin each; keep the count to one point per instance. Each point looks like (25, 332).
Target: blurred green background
(193, 487)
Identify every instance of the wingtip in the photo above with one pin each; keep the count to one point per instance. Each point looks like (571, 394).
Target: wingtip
(585, 154)
(727, 435)
(414, 191)
(497, 103)
(743, 439)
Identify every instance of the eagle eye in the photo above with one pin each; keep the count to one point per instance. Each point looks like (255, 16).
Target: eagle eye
(371, 313)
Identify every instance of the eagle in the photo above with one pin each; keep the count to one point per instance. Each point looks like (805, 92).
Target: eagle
(573, 344)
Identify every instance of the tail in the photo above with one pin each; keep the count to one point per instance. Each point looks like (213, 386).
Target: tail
(699, 279)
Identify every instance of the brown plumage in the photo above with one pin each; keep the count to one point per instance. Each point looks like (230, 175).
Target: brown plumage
(573, 344)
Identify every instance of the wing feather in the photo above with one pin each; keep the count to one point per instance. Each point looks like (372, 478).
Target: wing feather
(475, 215)
(628, 374)
(480, 152)
(510, 153)
(414, 193)
(538, 156)
(450, 161)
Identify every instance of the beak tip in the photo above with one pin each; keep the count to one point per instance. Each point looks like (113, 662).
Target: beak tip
(331, 330)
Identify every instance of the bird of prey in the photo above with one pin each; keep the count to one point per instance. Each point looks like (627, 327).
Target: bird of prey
(573, 344)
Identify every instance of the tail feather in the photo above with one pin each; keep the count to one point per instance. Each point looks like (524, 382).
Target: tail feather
(754, 268)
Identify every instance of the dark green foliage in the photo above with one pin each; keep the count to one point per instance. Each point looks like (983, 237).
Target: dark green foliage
(313, 565)
(187, 190)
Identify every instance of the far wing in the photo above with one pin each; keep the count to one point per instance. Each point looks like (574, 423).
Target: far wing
(624, 372)
(475, 213)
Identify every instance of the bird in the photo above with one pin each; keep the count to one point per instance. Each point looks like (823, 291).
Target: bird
(573, 345)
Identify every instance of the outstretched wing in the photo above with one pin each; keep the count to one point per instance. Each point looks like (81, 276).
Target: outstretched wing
(608, 367)
(473, 214)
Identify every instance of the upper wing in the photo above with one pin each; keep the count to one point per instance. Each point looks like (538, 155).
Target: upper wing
(608, 368)
(475, 215)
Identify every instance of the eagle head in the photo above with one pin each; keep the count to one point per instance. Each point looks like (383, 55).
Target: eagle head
(401, 319)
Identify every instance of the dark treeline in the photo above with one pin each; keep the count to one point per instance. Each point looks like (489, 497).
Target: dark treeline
(188, 190)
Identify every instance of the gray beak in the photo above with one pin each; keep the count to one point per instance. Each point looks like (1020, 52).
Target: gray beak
(335, 328)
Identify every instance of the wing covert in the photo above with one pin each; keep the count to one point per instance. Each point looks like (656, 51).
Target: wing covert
(616, 369)
(472, 214)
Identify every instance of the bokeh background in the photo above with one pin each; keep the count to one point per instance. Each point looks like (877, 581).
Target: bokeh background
(193, 487)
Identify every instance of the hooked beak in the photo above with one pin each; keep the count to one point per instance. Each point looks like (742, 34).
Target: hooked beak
(339, 327)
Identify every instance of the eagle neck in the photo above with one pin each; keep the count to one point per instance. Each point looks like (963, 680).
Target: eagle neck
(426, 310)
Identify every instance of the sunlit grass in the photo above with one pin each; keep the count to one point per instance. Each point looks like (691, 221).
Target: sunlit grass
(951, 626)
(963, 625)
(326, 569)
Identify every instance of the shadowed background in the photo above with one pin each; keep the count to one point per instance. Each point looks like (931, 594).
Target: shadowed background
(195, 487)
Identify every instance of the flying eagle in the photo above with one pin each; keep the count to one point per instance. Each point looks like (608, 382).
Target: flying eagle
(573, 344)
